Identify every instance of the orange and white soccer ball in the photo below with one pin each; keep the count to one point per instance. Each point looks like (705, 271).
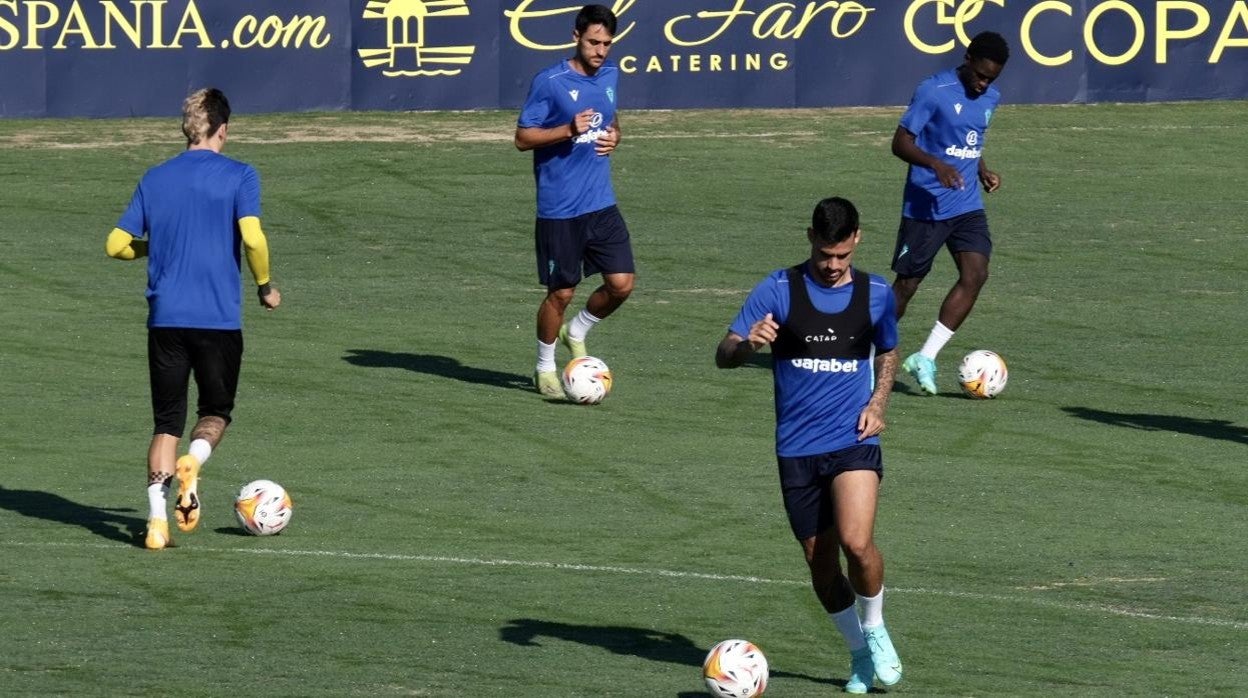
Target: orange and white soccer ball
(263, 508)
(983, 374)
(735, 669)
(587, 380)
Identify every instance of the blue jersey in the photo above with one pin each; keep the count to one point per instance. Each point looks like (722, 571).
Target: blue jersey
(188, 208)
(572, 178)
(818, 401)
(951, 124)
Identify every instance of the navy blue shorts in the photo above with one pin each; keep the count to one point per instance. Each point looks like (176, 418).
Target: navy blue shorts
(806, 483)
(571, 248)
(918, 241)
(173, 354)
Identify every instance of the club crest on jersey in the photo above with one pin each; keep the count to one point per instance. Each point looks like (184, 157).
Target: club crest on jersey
(611, 94)
(987, 116)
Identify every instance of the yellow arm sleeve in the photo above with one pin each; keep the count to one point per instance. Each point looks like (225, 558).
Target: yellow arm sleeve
(256, 247)
(123, 245)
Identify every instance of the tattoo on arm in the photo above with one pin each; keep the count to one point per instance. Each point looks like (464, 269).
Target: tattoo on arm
(885, 375)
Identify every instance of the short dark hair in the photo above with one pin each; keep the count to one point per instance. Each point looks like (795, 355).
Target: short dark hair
(990, 45)
(595, 14)
(834, 220)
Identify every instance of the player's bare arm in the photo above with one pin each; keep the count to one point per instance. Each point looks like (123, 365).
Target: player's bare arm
(735, 349)
(906, 149)
(871, 420)
(530, 137)
(990, 180)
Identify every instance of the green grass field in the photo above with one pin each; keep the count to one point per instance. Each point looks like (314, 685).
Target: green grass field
(456, 535)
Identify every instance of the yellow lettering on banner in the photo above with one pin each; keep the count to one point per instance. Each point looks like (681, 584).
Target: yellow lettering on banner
(192, 14)
(628, 64)
(695, 63)
(1238, 14)
(158, 25)
(779, 61)
(133, 31)
(75, 23)
(776, 21)
(1165, 34)
(669, 29)
(522, 12)
(716, 60)
(653, 65)
(8, 27)
(1025, 30)
(753, 61)
(966, 13)
(1089, 38)
(272, 32)
(33, 25)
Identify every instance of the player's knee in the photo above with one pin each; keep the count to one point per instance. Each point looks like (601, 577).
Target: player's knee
(858, 549)
(974, 277)
(620, 288)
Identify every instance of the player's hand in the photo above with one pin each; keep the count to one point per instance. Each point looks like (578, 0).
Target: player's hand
(991, 180)
(870, 422)
(580, 123)
(270, 297)
(606, 143)
(763, 332)
(949, 176)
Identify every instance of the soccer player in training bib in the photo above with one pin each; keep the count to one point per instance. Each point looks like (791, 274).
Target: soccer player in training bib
(942, 136)
(832, 330)
(570, 124)
(189, 216)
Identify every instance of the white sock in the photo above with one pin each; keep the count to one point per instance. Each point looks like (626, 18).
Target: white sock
(936, 341)
(545, 356)
(201, 449)
(581, 325)
(157, 495)
(847, 622)
(871, 609)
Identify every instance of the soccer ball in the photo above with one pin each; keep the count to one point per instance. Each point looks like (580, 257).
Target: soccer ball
(263, 508)
(735, 669)
(586, 380)
(982, 374)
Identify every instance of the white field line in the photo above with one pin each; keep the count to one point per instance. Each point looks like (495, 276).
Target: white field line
(669, 574)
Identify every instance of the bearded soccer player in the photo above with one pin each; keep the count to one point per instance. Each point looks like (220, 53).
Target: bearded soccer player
(941, 136)
(189, 216)
(832, 329)
(569, 122)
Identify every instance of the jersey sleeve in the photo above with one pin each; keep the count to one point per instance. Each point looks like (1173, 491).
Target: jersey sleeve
(247, 198)
(884, 316)
(922, 107)
(538, 106)
(767, 297)
(134, 219)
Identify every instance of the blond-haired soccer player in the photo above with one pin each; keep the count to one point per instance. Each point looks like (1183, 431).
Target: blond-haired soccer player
(189, 216)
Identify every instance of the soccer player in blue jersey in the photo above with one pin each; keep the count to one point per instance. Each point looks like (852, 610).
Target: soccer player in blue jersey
(569, 122)
(941, 136)
(832, 329)
(189, 216)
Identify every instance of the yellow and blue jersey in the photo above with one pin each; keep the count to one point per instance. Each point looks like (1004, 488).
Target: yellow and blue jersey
(188, 209)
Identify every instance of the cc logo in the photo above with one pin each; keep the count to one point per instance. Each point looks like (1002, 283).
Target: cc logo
(948, 12)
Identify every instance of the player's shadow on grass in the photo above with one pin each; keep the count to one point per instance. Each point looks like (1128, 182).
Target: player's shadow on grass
(109, 523)
(654, 645)
(1221, 429)
(435, 365)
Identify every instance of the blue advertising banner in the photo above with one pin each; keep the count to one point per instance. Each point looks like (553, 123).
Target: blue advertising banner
(140, 57)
